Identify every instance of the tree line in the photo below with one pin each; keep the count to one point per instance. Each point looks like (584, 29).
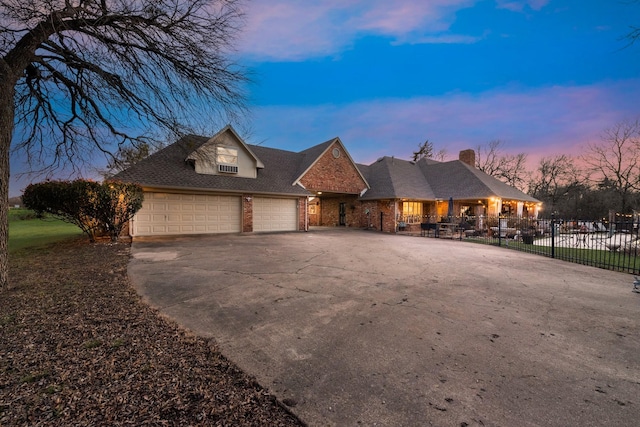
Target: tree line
(604, 176)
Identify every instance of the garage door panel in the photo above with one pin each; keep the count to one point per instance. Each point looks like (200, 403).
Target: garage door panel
(163, 214)
(273, 214)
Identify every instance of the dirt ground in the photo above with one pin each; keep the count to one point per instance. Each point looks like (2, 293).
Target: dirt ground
(78, 347)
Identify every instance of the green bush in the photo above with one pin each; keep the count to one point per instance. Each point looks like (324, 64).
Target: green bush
(98, 209)
(116, 203)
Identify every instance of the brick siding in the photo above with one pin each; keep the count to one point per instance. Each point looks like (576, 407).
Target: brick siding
(338, 175)
(247, 213)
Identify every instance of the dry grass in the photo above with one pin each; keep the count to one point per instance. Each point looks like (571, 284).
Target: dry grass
(78, 347)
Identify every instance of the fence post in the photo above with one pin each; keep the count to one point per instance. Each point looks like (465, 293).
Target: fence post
(499, 230)
(553, 234)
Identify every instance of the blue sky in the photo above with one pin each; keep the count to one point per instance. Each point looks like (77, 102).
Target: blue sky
(544, 76)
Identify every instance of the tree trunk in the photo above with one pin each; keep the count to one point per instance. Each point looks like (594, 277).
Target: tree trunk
(6, 131)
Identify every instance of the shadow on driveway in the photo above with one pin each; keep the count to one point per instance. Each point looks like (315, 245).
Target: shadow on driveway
(362, 328)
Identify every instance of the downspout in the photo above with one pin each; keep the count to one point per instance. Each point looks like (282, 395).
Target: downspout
(306, 214)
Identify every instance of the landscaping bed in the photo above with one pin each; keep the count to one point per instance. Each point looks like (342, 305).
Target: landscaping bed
(78, 347)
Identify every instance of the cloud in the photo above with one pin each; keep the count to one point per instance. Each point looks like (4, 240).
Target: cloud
(291, 30)
(546, 121)
(519, 5)
(446, 39)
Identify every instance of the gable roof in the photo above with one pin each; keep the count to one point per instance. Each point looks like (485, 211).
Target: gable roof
(279, 172)
(168, 169)
(227, 129)
(312, 155)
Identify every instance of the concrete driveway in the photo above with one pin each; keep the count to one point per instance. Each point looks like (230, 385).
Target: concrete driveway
(352, 327)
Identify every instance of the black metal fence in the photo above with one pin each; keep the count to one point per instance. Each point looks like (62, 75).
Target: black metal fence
(612, 244)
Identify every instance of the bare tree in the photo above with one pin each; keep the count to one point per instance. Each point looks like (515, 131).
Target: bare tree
(510, 168)
(80, 77)
(441, 155)
(426, 150)
(634, 33)
(552, 178)
(616, 160)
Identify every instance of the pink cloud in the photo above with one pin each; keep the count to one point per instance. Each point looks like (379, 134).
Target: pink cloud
(540, 122)
(291, 30)
(519, 5)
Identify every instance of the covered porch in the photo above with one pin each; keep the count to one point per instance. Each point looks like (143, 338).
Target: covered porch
(467, 213)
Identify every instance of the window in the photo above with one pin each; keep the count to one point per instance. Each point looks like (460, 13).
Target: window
(226, 155)
(412, 212)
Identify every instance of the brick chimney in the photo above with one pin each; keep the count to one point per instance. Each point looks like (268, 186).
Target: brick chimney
(468, 157)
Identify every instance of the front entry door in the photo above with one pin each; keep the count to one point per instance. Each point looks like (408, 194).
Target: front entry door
(343, 214)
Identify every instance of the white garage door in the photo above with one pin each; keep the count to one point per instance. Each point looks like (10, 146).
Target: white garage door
(275, 214)
(167, 213)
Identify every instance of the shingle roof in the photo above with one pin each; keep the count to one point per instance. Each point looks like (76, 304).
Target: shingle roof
(459, 180)
(311, 154)
(388, 178)
(168, 169)
(392, 178)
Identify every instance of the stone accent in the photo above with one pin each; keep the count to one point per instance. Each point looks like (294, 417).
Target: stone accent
(468, 157)
(247, 213)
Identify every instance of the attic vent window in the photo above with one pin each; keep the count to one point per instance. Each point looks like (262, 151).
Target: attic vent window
(228, 168)
(227, 159)
(336, 153)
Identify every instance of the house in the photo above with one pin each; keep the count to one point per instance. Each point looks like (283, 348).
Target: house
(202, 185)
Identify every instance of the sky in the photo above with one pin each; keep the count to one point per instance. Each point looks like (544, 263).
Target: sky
(545, 77)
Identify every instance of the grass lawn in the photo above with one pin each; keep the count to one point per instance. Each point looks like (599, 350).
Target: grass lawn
(25, 230)
(611, 260)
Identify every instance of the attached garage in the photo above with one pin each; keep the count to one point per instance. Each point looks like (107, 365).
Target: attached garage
(273, 214)
(169, 213)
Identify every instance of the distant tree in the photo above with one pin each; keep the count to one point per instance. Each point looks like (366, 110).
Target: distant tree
(426, 150)
(126, 157)
(79, 76)
(614, 162)
(510, 168)
(554, 176)
(441, 155)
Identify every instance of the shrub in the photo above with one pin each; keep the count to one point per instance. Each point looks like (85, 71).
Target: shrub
(116, 204)
(95, 208)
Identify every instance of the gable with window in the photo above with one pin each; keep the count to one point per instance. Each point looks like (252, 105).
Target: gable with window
(225, 154)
